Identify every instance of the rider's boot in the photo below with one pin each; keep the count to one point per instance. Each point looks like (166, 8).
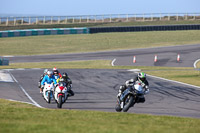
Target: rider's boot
(40, 90)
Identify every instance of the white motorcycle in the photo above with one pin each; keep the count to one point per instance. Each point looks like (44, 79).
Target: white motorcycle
(61, 94)
(129, 97)
(48, 92)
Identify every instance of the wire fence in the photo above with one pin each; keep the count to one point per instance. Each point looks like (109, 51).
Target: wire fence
(26, 20)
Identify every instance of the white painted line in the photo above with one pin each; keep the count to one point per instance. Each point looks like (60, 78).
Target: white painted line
(20, 101)
(5, 76)
(113, 62)
(174, 81)
(8, 56)
(168, 80)
(34, 102)
(195, 63)
(134, 70)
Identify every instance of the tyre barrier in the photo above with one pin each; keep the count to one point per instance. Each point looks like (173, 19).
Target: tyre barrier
(4, 62)
(144, 28)
(37, 32)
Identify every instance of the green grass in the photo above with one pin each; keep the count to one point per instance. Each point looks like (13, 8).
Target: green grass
(134, 23)
(24, 118)
(198, 64)
(34, 45)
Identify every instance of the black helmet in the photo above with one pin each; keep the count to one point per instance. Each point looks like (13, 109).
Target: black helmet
(64, 75)
(55, 72)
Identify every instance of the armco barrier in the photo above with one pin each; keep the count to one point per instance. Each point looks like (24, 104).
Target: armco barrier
(144, 28)
(36, 32)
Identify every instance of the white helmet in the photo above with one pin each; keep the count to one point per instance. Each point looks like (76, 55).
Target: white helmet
(54, 69)
(49, 72)
(46, 70)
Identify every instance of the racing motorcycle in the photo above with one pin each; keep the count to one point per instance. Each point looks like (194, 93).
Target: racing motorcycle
(129, 97)
(48, 92)
(61, 94)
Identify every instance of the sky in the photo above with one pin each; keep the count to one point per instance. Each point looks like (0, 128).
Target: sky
(96, 7)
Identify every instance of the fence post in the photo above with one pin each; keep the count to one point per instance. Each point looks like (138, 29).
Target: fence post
(95, 18)
(73, 20)
(14, 21)
(36, 20)
(110, 18)
(80, 19)
(29, 20)
(186, 17)
(22, 22)
(143, 17)
(66, 20)
(126, 17)
(44, 20)
(151, 17)
(160, 16)
(87, 19)
(7, 22)
(177, 17)
(168, 17)
(194, 17)
(51, 19)
(135, 17)
(58, 20)
(102, 18)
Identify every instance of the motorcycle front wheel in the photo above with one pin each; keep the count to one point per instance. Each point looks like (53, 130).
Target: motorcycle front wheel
(59, 104)
(128, 103)
(118, 107)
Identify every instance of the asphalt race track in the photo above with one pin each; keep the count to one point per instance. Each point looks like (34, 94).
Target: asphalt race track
(97, 89)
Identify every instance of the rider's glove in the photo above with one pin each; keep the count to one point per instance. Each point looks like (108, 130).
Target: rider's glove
(146, 91)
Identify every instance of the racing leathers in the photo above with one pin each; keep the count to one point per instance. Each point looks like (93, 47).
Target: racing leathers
(68, 82)
(130, 83)
(48, 80)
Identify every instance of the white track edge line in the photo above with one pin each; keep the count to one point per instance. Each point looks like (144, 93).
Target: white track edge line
(20, 101)
(174, 81)
(195, 63)
(113, 62)
(34, 102)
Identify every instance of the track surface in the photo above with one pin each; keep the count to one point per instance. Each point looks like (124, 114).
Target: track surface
(167, 56)
(97, 90)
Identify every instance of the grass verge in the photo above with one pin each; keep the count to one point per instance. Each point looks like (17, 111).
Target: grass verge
(186, 75)
(35, 45)
(23, 118)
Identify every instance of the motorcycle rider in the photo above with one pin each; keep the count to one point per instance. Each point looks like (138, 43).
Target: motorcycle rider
(141, 78)
(68, 81)
(56, 72)
(49, 78)
(41, 77)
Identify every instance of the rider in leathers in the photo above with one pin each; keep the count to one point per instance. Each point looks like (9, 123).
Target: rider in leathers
(49, 78)
(41, 78)
(68, 81)
(129, 83)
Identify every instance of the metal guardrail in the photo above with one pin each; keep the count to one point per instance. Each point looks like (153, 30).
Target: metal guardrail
(26, 20)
